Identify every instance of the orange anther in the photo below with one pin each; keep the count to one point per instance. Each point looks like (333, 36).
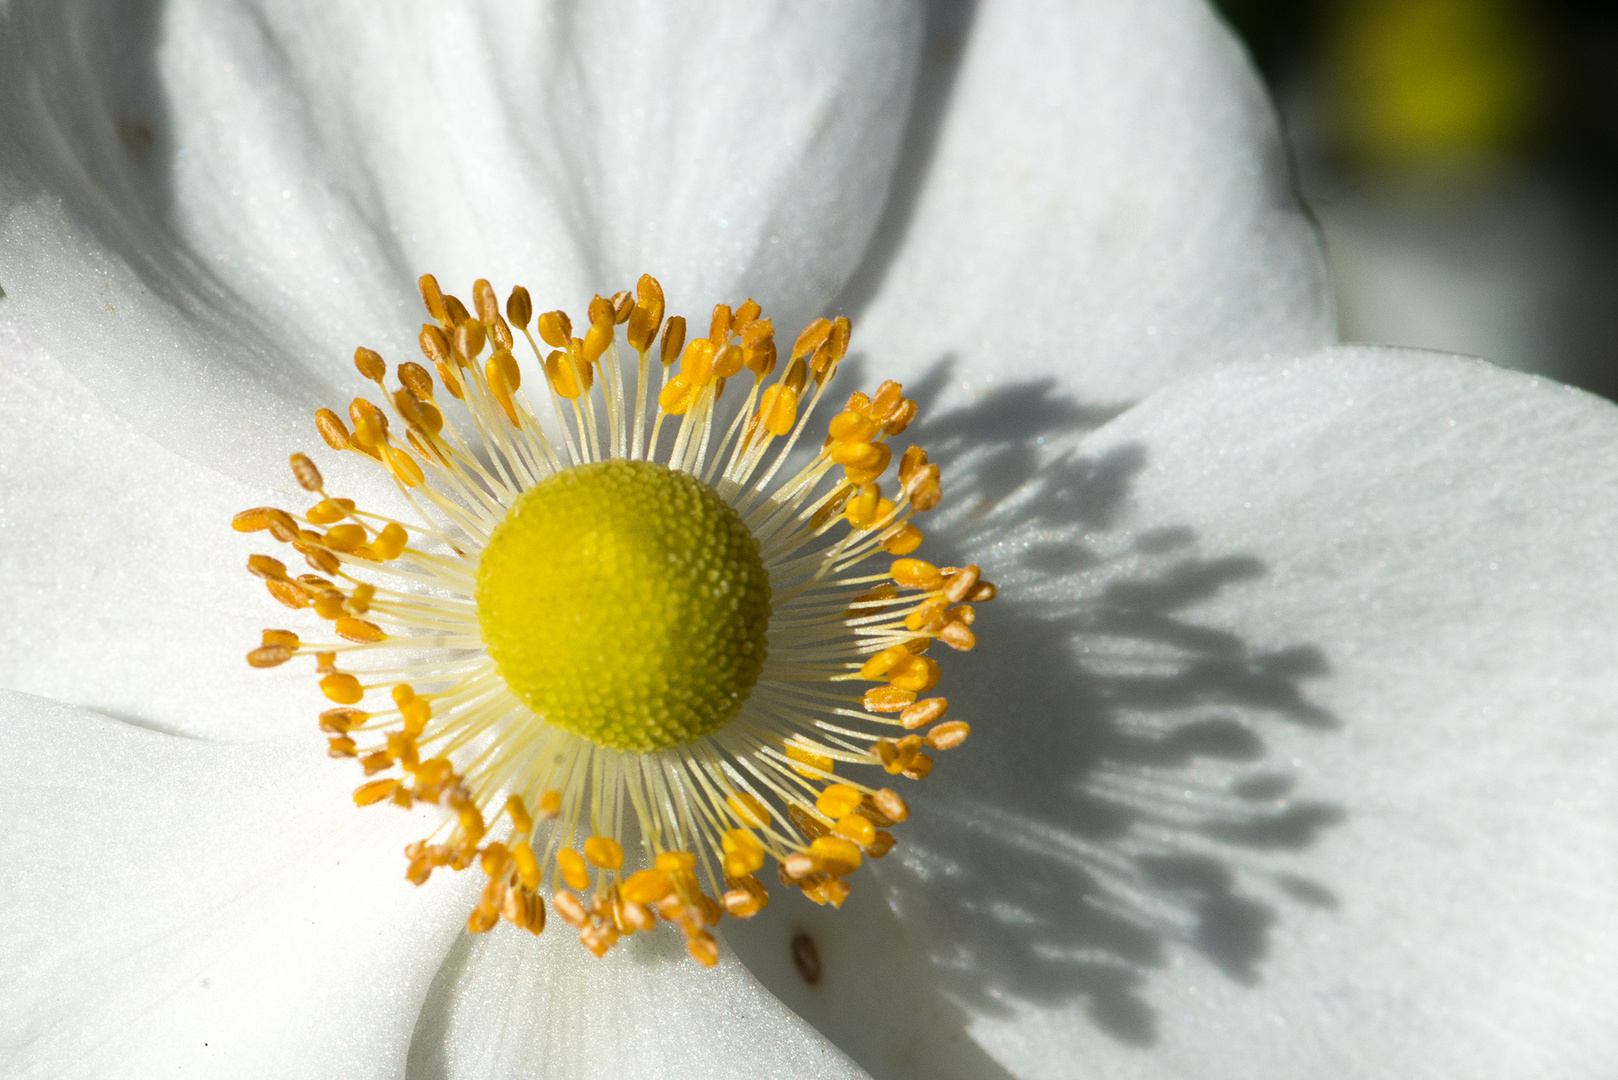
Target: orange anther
(878, 665)
(571, 909)
(863, 509)
(279, 637)
(494, 859)
(402, 466)
(957, 636)
(604, 852)
(887, 699)
(340, 746)
(416, 713)
(468, 341)
(743, 853)
(563, 373)
(675, 862)
(251, 520)
(919, 767)
(901, 418)
(704, 947)
(646, 887)
(916, 673)
(902, 539)
(265, 567)
(890, 805)
(811, 338)
(358, 630)
(432, 297)
(555, 329)
(344, 538)
(328, 511)
(982, 593)
(304, 471)
(374, 791)
(359, 601)
(519, 308)
(287, 592)
(342, 688)
(728, 361)
(924, 712)
(368, 362)
(520, 818)
(550, 804)
(949, 734)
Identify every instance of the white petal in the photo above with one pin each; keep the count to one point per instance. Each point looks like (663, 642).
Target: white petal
(507, 1005)
(1102, 196)
(173, 905)
(1293, 746)
(209, 207)
(124, 587)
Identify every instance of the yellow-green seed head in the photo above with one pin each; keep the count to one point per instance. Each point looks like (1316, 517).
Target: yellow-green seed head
(626, 602)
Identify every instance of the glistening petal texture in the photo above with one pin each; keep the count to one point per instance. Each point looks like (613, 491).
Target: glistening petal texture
(124, 588)
(209, 206)
(177, 906)
(1293, 741)
(506, 1006)
(1094, 189)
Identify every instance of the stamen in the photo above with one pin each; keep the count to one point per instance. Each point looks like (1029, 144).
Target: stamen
(584, 623)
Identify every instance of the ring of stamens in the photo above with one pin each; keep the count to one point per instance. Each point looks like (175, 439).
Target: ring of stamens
(541, 804)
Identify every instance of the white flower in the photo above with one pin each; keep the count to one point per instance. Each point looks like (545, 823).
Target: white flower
(1295, 733)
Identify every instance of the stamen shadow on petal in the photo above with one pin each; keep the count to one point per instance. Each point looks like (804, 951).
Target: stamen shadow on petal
(1123, 806)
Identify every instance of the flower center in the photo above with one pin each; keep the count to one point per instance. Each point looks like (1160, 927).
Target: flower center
(627, 603)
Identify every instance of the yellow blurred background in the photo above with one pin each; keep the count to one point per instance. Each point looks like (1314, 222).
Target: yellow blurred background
(1462, 158)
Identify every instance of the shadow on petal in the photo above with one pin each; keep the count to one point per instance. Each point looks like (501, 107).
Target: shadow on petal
(1119, 805)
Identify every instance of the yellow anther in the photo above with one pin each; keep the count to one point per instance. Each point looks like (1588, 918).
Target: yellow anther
(727, 361)
(340, 746)
(521, 820)
(647, 887)
(597, 338)
(854, 828)
(342, 688)
(251, 520)
(328, 604)
(402, 466)
(280, 637)
(861, 456)
(902, 539)
(878, 665)
(915, 673)
(680, 393)
(563, 374)
(748, 810)
(949, 734)
(604, 852)
(403, 693)
(527, 866)
(470, 820)
(419, 414)
(502, 386)
(344, 538)
(550, 804)
(370, 425)
(374, 791)
(390, 542)
(916, 574)
(697, 362)
(864, 509)
(779, 409)
(853, 427)
(807, 761)
(368, 362)
(416, 713)
(494, 858)
(838, 800)
(358, 630)
(675, 862)
(743, 853)
(555, 329)
(359, 601)
(268, 656)
(835, 855)
(574, 871)
(327, 511)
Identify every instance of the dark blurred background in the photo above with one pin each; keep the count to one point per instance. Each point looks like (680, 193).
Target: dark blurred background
(1462, 158)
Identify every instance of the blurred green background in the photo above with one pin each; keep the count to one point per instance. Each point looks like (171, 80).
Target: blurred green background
(1462, 158)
